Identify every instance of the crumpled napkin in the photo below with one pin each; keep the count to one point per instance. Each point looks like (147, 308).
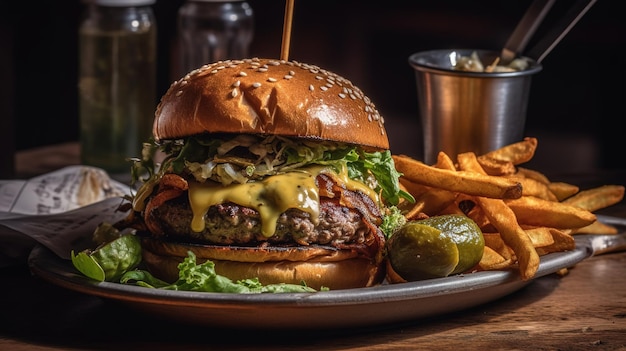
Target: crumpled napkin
(59, 210)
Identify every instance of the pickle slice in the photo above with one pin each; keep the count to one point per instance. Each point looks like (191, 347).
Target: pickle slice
(467, 236)
(418, 251)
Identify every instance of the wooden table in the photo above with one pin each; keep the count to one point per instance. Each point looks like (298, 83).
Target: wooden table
(584, 310)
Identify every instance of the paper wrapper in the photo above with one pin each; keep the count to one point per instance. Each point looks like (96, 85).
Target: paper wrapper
(59, 210)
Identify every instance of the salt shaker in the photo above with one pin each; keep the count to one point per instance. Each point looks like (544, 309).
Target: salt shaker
(117, 81)
(213, 30)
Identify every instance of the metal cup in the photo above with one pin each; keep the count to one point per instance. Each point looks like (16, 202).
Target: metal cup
(463, 111)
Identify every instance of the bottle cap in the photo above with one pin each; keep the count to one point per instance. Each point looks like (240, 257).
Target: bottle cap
(124, 2)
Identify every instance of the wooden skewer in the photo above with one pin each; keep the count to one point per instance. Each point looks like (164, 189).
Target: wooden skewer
(284, 52)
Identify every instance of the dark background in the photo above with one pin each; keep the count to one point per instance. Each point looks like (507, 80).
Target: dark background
(576, 101)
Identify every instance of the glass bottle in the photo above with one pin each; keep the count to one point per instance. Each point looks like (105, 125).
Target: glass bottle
(213, 30)
(117, 81)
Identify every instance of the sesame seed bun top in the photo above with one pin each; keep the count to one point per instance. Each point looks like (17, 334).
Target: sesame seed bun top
(270, 97)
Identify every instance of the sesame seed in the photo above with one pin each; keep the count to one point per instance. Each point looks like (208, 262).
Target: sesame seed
(324, 88)
(237, 83)
(179, 93)
(311, 88)
(243, 74)
(256, 84)
(292, 73)
(262, 69)
(288, 76)
(342, 95)
(271, 79)
(234, 93)
(318, 78)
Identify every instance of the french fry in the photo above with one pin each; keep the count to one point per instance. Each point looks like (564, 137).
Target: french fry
(465, 202)
(521, 212)
(596, 198)
(562, 242)
(444, 162)
(563, 190)
(409, 209)
(496, 167)
(533, 187)
(452, 209)
(540, 236)
(428, 200)
(494, 241)
(516, 153)
(478, 216)
(491, 260)
(504, 220)
(533, 174)
(463, 182)
(596, 227)
(470, 208)
(562, 272)
(436, 201)
(542, 213)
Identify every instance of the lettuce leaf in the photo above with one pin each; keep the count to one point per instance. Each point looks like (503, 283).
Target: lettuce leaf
(244, 158)
(202, 277)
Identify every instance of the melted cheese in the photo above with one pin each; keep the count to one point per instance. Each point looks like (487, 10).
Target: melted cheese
(270, 197)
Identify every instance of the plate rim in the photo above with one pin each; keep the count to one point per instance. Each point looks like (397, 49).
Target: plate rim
(477, 288)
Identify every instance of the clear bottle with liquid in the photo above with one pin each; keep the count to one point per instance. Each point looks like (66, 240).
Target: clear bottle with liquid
(212, 30)
(117, 81)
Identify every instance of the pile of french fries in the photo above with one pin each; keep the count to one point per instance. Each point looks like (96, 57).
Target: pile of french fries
(522, 214)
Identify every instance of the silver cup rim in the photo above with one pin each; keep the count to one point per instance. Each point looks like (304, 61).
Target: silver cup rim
(440, 62)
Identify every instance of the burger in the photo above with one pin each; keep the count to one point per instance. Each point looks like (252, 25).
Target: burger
(271, 169)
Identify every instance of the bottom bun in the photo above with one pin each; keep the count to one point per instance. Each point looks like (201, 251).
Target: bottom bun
(316, 266)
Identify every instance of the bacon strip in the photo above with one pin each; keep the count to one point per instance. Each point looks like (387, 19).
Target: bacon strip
(171, 186)
(353, 199)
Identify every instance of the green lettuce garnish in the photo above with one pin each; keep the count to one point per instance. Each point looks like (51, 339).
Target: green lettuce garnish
(243, 158)
(118, 257)
(109, 261)
(202, 277)
(393, 220)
